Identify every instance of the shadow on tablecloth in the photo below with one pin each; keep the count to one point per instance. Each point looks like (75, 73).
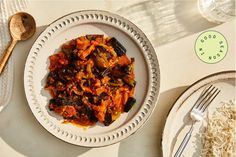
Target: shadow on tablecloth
(166, 21)
(18, 126)
(148, 143)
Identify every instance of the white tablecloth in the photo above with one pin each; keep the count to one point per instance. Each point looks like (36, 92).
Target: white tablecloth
(20, 133)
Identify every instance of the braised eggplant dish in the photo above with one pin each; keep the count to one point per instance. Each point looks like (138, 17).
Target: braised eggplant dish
(91, 80)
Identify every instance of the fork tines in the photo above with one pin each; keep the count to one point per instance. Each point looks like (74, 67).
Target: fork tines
(206, 97)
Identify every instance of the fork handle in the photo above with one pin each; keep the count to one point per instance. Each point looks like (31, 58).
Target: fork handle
(184, 143)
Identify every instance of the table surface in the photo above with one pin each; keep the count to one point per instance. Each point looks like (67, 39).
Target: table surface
(21, 135)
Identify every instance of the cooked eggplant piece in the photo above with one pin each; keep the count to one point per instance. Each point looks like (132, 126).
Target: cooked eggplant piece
(128, 80)
(100, 49)
(126, 68)
(96, 100)
(94, 36)
(52, 78)
(116, 83)
(61, 94)
(118, 47)
(95, 71)
(87, 83)
(129, 104)
(86, 113)
(117, 72)
(108, 119)
(67, 73)
(101, 62)
(105, 72)
(63, 102)
(67, 50)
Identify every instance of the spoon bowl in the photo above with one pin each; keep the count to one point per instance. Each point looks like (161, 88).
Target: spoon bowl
(22, 26)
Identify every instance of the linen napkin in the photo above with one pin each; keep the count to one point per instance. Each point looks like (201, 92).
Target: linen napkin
(7, 8)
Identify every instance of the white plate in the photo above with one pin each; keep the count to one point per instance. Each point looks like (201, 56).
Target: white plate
(75, 25)
(175, 128)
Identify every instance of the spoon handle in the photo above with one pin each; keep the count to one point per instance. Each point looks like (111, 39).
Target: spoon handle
(7, 53)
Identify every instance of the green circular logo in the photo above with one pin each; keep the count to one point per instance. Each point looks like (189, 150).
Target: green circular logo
(211, 47)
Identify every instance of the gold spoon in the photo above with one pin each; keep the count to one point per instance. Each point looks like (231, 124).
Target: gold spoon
(22, 26)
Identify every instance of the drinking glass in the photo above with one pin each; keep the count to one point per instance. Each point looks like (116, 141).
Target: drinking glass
(217, 11)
